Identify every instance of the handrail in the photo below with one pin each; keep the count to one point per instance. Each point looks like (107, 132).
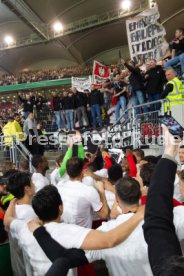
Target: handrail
(16, 146)
(162, 101)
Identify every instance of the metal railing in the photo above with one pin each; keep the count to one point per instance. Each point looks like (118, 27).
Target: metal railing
(45, 32)
(14, 150)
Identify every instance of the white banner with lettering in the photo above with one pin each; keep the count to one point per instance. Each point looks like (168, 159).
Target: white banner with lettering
(82, 83)
(146, 36)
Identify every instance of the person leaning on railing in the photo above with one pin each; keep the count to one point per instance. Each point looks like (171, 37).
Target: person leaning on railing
(174, 90)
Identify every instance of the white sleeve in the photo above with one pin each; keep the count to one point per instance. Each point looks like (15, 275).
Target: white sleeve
(88, 181)
(53, 178)
(94, 199)
(179, 222)
(69, 235)
(102, 173)
(93, 255)
(15, 227)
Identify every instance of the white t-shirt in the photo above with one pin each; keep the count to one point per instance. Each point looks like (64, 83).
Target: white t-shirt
(128, 258)
(79, 202)
(102, 173)
(40, 181)
(131, 255)
(24, 211)
(69, 236)
(55, 177)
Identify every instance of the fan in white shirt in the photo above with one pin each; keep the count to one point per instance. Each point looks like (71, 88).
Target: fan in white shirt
(177, 186)
(47, 205)
(55, 177)
(21, 186)
(81, 201)
(40, 163)
(131, 255)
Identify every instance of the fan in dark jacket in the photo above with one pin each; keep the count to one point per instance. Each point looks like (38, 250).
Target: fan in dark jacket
(137, 83)
(80, 103)
(95, 101)
(68, 107)
(155, 78)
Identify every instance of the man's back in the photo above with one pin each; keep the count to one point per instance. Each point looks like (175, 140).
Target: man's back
(130, 258)
(79, 201)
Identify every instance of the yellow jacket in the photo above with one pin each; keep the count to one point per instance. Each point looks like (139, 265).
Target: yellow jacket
(176, 96)
(7, 131)
(17, 130)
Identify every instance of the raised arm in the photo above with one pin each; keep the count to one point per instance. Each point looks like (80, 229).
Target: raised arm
(68, 155)
(159, 230)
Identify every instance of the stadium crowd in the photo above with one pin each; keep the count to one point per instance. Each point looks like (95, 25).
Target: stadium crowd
(92, 207)
(44, 75)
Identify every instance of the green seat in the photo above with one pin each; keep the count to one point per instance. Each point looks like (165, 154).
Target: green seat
(5, 262)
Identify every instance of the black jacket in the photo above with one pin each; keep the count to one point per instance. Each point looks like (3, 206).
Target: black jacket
(80, 99)
(156, 80)
(67, 102)
(179, 48)
(136, 79)
(95, 97)
(27, 104)
(56, 103)
(159, 230)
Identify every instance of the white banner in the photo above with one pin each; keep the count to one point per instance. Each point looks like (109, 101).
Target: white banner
(82, 83)
(146, 36)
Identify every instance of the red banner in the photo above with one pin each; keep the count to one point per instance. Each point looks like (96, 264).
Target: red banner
(100, 73)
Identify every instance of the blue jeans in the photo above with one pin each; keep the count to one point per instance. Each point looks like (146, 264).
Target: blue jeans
(26, 114)
(95, 111)
(121, 103)
(138, 98)
(174, 61)
(59, 119)
(69, 118)
(154, 97)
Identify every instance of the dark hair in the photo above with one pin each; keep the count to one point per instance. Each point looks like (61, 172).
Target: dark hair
(46, 203)
(128, 190)
(182, 147)
(74, 167)
(24, 164)
(180, 30)
(146, 173)
(139, 152)
(16, 114)
(115, 173)
(9, 173)
(150, 159)
(37, 160)
(17, 183)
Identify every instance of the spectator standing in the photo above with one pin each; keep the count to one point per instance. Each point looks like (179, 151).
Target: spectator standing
(137, 85)
(80, 102)
(155, 80)
(95, 103)
(174, 90)
(28, 104)
(120, 96)
(68, 107)
(56, 107)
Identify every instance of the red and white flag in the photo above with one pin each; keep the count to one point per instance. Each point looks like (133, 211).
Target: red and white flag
(100, 73)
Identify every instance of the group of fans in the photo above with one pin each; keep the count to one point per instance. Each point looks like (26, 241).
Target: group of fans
(91, 207)
(53, 223)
